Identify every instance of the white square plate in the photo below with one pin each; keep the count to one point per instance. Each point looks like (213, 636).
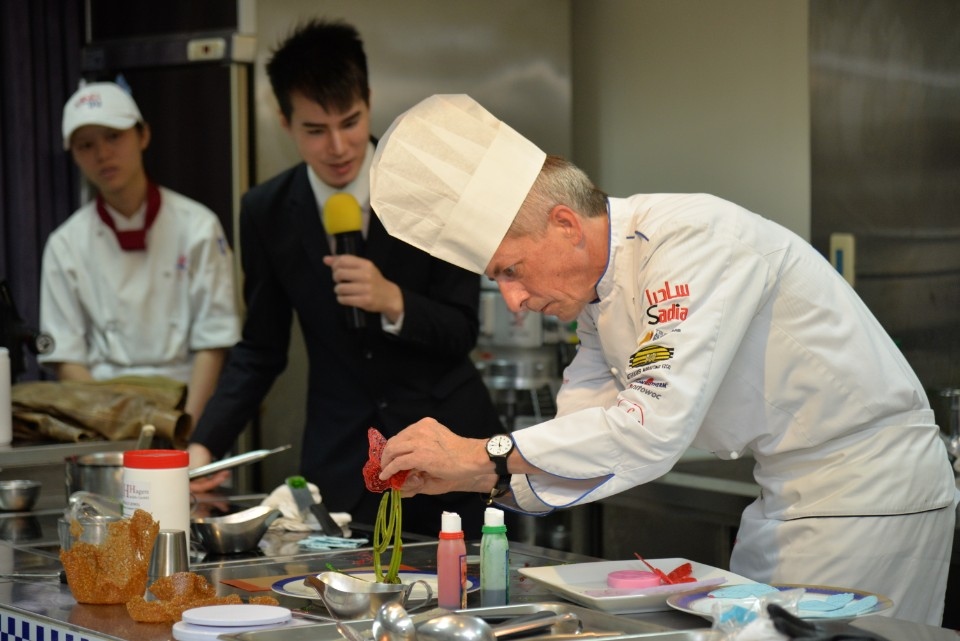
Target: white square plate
(586, 583)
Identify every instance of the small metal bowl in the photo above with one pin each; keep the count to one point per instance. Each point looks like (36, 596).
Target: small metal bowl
(19, 496)
(234, 533)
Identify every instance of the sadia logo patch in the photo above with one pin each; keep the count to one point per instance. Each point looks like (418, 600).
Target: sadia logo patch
(650, 354)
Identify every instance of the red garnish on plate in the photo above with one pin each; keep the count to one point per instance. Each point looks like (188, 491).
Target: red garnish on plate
(372, 468)
(681, 574)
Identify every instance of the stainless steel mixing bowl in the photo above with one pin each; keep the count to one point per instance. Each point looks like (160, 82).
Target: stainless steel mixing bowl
(19, 496)
(234, 533)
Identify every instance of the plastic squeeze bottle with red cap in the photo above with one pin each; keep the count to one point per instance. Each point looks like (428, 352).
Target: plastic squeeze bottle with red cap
(451, 564)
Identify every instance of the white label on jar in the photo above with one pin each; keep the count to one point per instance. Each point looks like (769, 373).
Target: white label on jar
(136, 496)
(164, 493)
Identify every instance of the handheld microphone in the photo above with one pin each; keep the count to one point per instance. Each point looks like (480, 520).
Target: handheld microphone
(343, 221)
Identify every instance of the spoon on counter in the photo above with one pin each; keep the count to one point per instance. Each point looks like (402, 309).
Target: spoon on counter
(459, 627)
(455, 627)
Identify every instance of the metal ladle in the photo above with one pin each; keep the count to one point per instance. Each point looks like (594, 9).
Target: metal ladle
(392, 623)
(457, 627)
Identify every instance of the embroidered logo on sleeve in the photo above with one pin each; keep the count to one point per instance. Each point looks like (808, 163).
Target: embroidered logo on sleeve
(650, 354)
(664, 305)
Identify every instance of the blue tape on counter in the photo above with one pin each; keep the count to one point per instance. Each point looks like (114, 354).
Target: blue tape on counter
(33, 632)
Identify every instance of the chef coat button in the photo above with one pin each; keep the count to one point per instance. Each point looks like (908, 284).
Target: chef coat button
(382, 404)
(614, 371)
(368, 355)
(734, 456)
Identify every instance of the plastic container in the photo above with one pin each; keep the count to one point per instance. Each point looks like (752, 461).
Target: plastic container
(158, 481)
(494, 560)
(451, 564)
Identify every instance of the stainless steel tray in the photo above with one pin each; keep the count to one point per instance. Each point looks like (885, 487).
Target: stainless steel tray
(596, 624)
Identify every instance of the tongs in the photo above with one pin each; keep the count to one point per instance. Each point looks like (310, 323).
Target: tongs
(797, 628)
(235, 461)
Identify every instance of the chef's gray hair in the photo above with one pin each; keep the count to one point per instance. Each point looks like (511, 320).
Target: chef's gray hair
(560, 182)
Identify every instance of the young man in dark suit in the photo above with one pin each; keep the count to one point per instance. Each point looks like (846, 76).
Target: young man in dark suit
(420, 315)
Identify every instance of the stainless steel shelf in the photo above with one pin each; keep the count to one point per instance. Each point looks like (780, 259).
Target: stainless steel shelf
(54, 453)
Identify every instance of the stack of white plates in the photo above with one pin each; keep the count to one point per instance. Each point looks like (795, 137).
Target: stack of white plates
(209, 622)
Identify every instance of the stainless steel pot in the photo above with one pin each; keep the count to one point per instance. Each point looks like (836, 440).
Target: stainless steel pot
(100, 473)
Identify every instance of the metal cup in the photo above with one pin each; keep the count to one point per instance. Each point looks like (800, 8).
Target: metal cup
(169, 554)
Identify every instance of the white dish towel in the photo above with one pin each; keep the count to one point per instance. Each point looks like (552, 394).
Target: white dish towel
(282, 499)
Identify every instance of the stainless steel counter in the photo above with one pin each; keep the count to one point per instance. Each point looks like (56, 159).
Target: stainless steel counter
(44, 610)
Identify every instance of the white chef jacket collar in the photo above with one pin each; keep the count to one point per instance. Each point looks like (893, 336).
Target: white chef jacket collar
(616, 219)
(359, 188)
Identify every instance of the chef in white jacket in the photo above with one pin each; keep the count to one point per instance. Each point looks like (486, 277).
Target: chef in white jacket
(700, 324)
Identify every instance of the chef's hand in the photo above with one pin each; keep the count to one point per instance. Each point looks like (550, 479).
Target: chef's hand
(437, 454)
(422, 483)
(200, 455)
(360, 284)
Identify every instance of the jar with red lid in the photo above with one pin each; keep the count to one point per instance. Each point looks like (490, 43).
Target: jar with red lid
(158, 481)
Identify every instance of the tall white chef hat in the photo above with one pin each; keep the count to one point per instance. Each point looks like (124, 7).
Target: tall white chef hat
(99, 103)
(448, 178)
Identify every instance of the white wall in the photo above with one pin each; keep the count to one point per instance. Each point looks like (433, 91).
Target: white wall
(695, 96)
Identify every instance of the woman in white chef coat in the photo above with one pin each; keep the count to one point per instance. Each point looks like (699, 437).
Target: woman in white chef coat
(138, 281)
(700, 324)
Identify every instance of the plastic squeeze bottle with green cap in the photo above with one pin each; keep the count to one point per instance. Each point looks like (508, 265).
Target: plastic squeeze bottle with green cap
(494, 560)
(451, 564)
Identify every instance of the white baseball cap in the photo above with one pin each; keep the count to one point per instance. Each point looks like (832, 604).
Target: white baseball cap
(448, 177)
(99, 103)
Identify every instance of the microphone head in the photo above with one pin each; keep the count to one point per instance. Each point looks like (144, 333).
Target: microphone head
(341, 214)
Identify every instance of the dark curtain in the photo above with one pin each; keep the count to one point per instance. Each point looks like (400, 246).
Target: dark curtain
(40, 43)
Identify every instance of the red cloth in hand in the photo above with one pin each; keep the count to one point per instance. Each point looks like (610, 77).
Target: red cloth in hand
(372, 468)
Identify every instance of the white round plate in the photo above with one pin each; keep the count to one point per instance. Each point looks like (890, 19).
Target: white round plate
(236, 615)
(183, 631)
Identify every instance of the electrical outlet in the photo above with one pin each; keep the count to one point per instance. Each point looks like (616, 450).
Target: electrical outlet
(206, 49)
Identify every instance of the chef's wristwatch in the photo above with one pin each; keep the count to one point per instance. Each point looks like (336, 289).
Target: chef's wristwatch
(498, 449)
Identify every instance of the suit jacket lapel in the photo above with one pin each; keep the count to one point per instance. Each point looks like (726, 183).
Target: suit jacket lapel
(303, 209)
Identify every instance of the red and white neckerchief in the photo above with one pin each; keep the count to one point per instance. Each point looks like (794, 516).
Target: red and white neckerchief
(133, 239)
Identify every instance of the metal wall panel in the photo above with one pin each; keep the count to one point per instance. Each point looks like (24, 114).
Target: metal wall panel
(885, 166)
(512, 57)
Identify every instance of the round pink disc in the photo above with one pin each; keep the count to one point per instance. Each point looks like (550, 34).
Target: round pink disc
(632, 579)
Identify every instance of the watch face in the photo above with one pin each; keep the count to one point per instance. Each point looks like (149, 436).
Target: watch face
(499, 445)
